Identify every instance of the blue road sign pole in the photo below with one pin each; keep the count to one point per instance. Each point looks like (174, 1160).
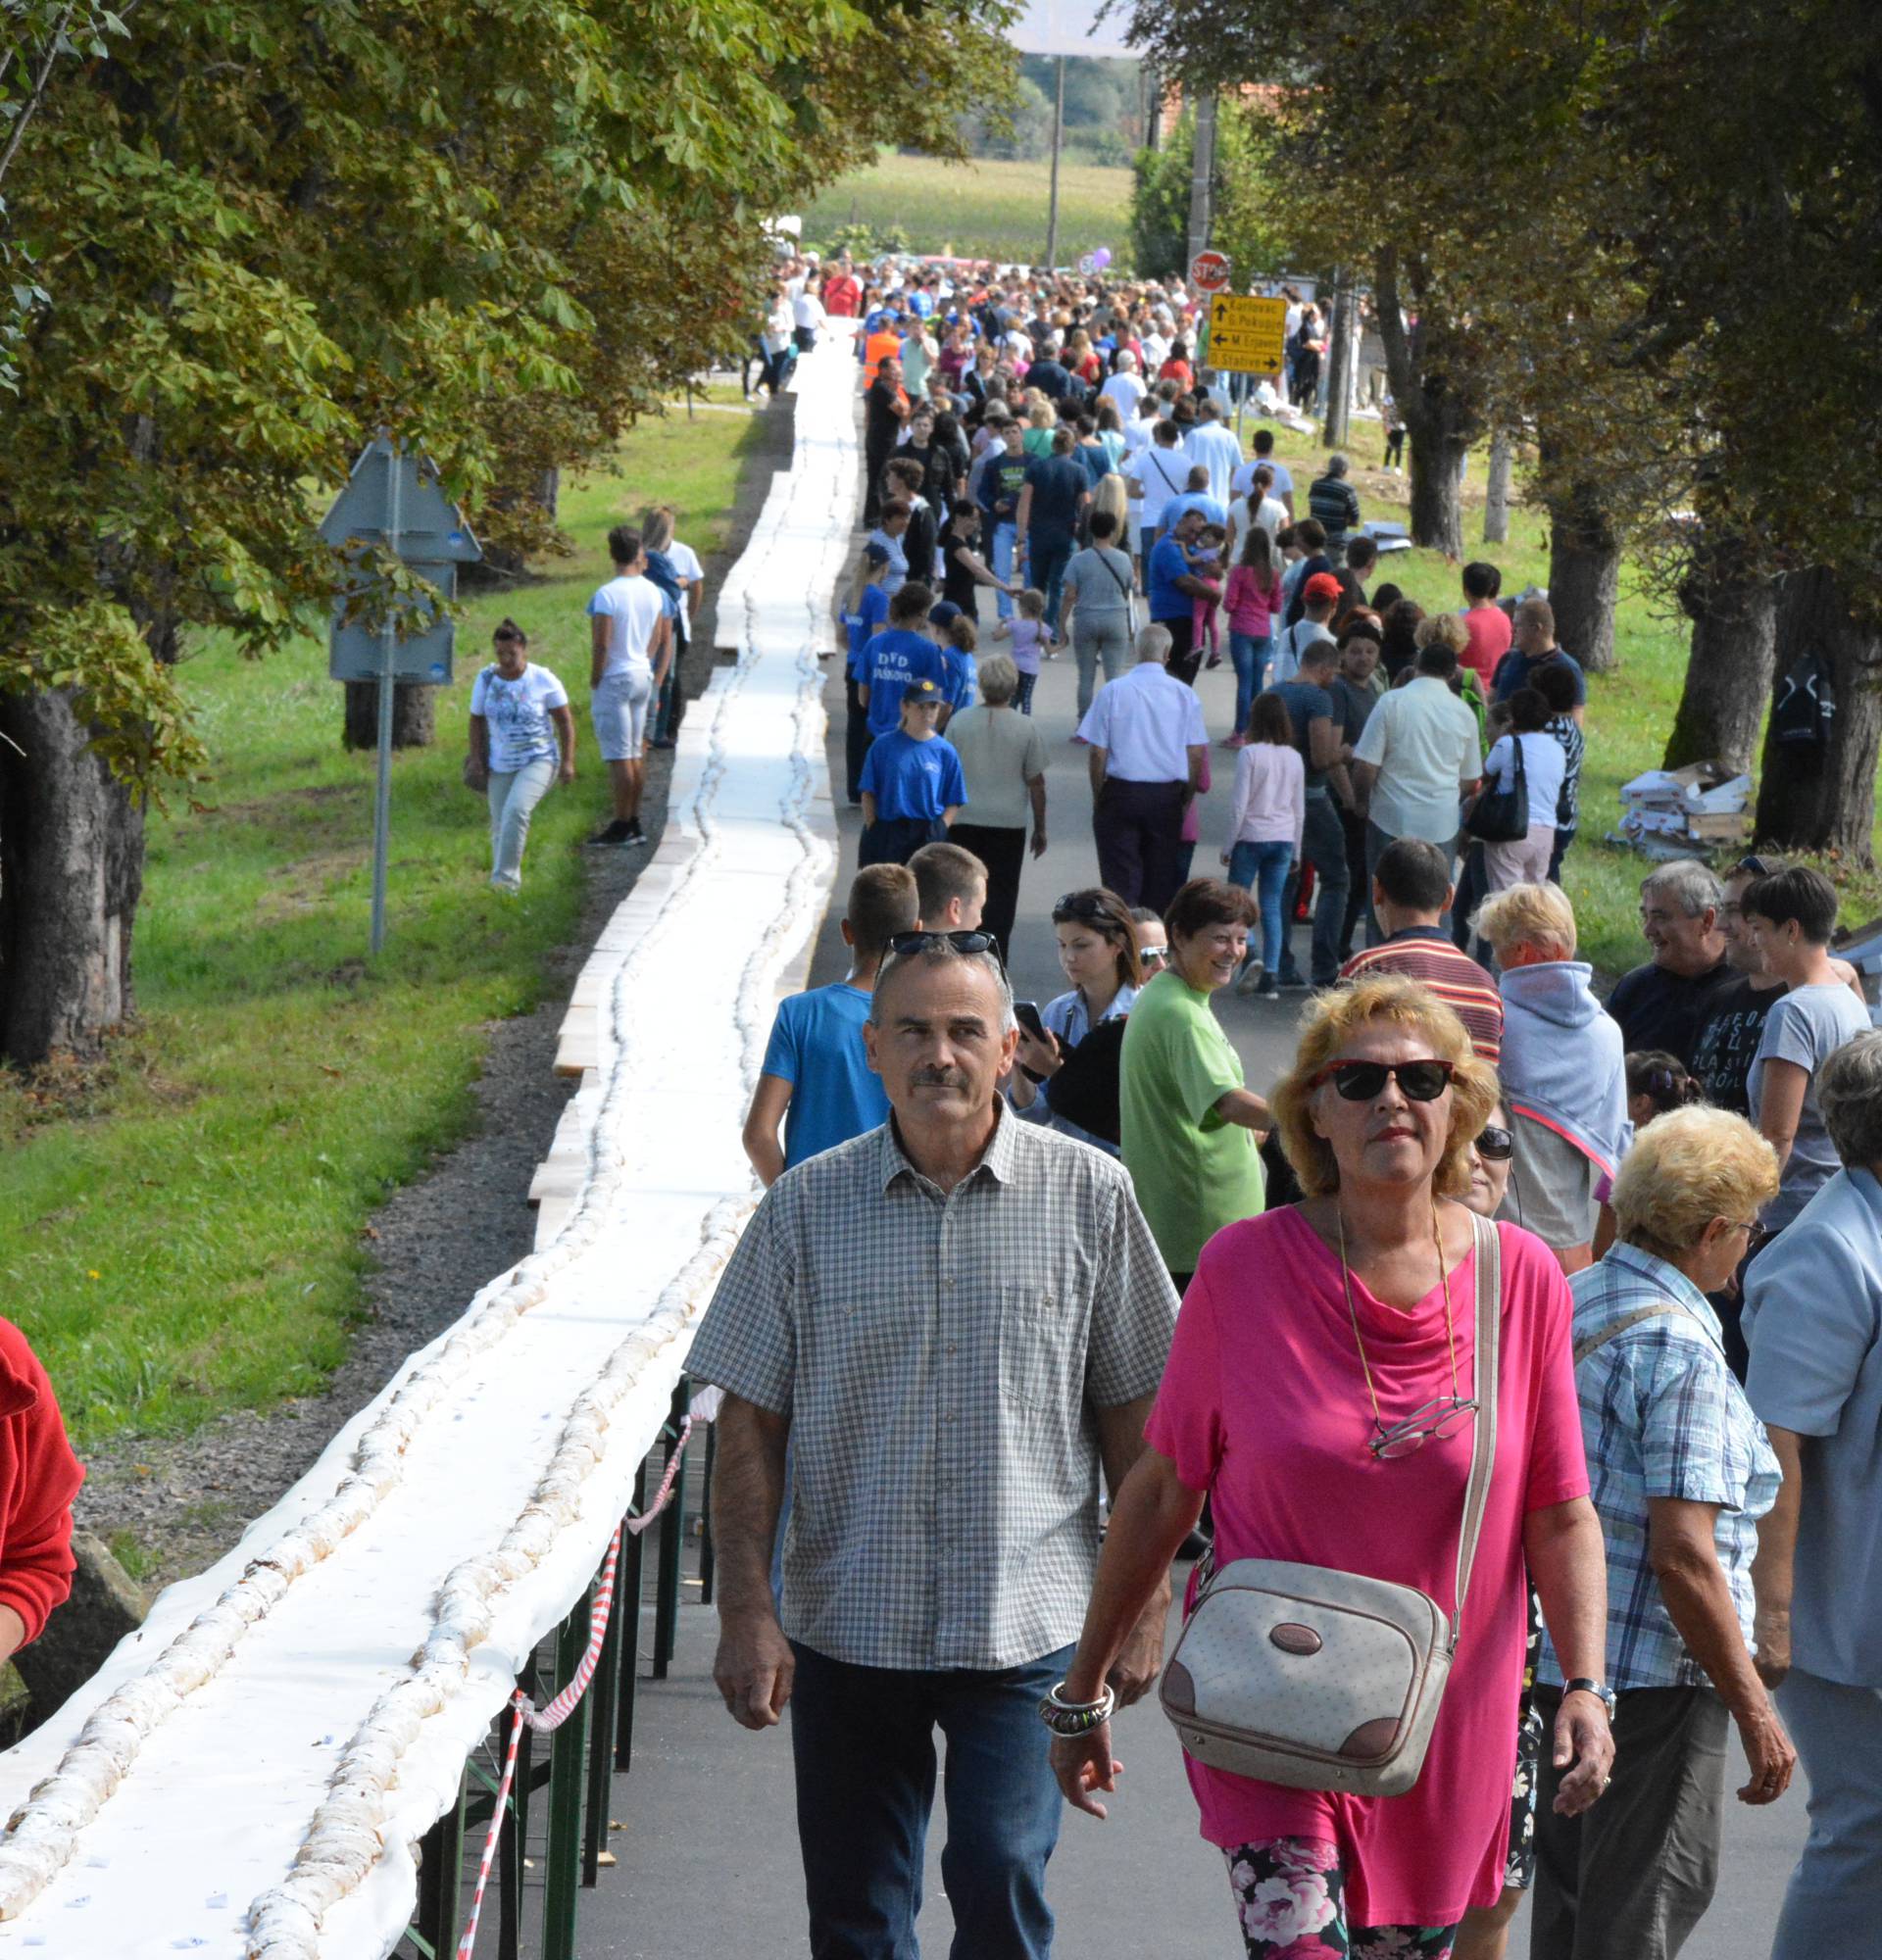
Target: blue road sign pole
(389, 654)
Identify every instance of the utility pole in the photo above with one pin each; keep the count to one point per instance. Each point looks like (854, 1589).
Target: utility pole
(1058, 141)
(1202, 173)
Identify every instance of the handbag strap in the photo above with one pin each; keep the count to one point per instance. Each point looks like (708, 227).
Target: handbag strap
(1483, 1431)
(1616, 1328)
(1104, 560)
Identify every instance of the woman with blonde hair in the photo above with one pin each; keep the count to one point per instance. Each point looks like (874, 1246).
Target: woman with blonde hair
(1682, 1473)
(1564, 1071)
(1041, 420)
(1322, 1393)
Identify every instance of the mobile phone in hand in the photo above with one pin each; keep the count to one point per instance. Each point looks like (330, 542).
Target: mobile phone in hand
(1027, 1013)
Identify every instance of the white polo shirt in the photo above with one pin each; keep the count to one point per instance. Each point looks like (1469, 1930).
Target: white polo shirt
(1423, 741)
(1218, 451)
(1146, 722)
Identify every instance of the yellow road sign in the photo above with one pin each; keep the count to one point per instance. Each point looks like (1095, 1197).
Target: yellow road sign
(1246, 337)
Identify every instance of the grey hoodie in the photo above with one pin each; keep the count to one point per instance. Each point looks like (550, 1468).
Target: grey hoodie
(1563, 1060)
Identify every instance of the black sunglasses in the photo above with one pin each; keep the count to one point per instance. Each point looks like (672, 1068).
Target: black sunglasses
(1081, 905)
(962, 941)
(1495, 1143)
(1360, 1081)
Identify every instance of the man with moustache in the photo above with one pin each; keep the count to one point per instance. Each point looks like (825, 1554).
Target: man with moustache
(955, 1319)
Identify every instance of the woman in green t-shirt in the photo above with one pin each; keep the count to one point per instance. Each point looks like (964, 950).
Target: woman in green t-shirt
(1190, 1129)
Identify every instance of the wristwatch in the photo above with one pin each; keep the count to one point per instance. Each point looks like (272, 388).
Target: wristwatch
(1581, 1685)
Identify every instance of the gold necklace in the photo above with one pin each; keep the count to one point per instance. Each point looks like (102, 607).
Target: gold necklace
(1352, 1313)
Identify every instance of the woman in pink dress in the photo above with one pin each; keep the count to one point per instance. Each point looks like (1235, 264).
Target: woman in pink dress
(1305, 1337)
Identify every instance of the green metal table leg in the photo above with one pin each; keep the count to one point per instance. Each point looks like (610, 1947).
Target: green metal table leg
(603, 1692)
(672, 1544)
(633, 1562)
(562, 1858)
(440, 1879)
(707, 1561)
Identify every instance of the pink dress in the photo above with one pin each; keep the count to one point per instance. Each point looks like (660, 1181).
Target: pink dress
(1264, 1405)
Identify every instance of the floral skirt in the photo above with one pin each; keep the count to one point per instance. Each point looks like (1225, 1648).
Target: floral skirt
(1290, 1894)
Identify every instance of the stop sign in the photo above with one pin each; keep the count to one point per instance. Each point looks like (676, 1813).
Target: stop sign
(1208, 272)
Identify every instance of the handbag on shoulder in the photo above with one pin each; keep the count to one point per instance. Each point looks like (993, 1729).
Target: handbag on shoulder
(1319, 1678)
(1502, 816)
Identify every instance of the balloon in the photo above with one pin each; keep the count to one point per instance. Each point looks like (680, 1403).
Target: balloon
(1102, 257)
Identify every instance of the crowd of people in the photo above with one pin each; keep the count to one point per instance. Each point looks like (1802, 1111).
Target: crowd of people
(1041, 1302)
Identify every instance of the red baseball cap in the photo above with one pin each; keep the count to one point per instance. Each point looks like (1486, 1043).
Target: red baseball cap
(1323, 585)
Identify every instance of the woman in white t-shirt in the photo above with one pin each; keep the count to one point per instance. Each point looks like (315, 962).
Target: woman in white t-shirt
(523, 739)
(1545, 763)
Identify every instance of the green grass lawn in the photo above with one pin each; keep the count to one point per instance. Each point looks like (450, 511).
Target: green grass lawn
(981, 210)
(182, 1233)
(1630, 710)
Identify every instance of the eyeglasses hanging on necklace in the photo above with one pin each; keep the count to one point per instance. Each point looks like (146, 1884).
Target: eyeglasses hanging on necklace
(1442, 1416)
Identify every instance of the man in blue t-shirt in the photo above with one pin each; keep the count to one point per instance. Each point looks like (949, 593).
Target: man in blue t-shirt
(1173, 590)
(913, 785)
(900, 653)
(1532, 644)
(862, 622)
(816, 1079)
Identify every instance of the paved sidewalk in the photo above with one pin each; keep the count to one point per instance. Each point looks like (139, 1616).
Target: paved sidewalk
(709, 1857)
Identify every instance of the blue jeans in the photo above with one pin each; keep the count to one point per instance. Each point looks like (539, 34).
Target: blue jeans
(1323, 845)
(1005, 537)
(1251, 657)
(1261, 868)
(513, 798)
(1829, 1905)
(862, 1746)
(1046, 556)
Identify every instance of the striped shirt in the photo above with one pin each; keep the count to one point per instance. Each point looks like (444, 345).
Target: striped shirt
(1424, 953)
(939, 1355)
(1661, 1417)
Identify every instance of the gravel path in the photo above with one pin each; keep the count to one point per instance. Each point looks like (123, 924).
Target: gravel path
(186, 1501)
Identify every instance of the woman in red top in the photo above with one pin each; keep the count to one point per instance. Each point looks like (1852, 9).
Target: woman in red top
(39, 1477)
(1177, 369)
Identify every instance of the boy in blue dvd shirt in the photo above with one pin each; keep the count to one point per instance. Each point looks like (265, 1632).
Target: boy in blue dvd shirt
(865, 617)
(911, 783)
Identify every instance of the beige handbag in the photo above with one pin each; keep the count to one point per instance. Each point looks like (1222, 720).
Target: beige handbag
(1326, 1679)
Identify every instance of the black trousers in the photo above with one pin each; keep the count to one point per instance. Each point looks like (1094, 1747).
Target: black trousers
(875, 459)
(1631, 1878)
(855, 738)
(1138, 830)
(1002, 849)
(1185, 657)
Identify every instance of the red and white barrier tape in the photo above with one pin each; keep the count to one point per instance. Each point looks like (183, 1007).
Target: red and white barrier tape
(545, 1721)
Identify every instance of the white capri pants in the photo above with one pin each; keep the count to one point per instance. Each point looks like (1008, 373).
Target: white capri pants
(619, 705)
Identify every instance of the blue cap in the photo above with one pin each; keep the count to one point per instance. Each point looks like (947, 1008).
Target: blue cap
(875, 554)
(943, 611)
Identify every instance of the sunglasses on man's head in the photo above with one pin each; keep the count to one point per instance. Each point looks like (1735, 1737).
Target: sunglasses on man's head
(962, 941)
(1360, 1081)
(1495, 1143)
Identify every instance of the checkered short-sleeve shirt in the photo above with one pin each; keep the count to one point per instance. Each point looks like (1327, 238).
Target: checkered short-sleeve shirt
(938, 1355)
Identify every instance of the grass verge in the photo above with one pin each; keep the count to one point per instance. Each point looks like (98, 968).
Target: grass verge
(1630, 710)
(182, 1231)
(981, 210)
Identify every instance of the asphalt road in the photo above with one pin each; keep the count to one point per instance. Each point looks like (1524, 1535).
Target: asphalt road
(708, 1858)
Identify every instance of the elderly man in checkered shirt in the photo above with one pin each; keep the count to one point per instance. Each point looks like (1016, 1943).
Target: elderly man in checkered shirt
(956, 1319)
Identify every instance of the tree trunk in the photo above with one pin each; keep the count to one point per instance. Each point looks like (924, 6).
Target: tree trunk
(1342, 355)
(1821, 796)
(1496, 495)
(1584, 577)
(1732, 602)
(1437, 505)
(412, 717)
(72, 869)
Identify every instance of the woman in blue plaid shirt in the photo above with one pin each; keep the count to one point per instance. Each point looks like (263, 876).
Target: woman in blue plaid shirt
(1682, 1472)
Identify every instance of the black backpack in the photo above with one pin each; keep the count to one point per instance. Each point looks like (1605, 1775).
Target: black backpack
(1806, 704)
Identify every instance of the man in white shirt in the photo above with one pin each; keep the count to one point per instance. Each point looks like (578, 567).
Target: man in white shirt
(1125, 388)
(1161, 475)
(1416, 758)
(1215, 449)
(1148, 745)
(1283, 488)
(632, 643)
